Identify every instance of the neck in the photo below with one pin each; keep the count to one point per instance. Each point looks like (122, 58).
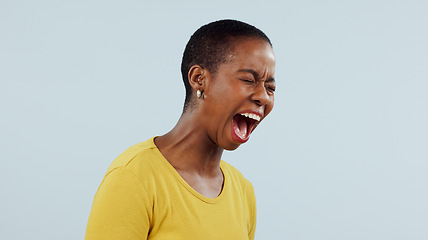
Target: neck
(188, 148)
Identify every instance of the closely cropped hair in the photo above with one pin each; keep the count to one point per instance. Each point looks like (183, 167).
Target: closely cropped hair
(210, 45)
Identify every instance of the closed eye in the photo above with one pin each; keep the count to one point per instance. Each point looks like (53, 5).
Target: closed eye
(271, 88)
(248, 80)
(270, 85)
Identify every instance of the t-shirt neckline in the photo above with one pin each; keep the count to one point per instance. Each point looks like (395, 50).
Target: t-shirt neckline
(185, 184)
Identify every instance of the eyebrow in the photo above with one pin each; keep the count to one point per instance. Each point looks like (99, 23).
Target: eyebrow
(255, 74)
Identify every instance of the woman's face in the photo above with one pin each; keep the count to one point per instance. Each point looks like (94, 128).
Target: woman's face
(240, 94)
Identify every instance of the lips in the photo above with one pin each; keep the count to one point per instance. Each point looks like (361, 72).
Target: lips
(243, 124)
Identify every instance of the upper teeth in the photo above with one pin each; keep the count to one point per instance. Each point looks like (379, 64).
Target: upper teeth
(251, 115)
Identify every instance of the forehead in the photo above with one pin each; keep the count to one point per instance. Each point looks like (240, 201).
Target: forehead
(251, 53)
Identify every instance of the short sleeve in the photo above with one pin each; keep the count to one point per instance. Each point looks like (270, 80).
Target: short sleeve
(121, 208)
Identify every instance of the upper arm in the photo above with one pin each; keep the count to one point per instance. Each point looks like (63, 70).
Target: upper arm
(121, 208)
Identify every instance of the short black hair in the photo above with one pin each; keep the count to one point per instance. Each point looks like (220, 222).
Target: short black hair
(210, 45)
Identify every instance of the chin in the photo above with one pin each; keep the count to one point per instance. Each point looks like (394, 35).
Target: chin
(231, 142)
(231, 147)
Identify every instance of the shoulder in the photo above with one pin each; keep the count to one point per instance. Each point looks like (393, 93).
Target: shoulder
(134, 154)
(236, 177)
(241, 187)
(142, 156)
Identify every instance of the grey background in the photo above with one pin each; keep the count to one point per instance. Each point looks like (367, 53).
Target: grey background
(342, 156)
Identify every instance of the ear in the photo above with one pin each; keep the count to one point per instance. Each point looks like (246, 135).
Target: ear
(196, 77)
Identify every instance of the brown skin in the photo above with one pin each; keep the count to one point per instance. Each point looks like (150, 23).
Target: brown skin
(195, 145)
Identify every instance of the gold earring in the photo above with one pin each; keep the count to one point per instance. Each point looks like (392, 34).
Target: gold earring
(198, 93)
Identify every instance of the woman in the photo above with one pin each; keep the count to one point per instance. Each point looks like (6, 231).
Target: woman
(176, 186)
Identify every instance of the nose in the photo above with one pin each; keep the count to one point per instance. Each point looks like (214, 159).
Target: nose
(261, 96)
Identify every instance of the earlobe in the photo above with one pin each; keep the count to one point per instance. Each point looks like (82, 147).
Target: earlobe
(196, 78)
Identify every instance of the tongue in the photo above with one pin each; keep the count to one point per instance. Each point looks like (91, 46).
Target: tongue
(242, 128)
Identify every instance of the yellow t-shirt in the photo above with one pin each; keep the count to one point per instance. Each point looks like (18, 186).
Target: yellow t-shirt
(142, 196)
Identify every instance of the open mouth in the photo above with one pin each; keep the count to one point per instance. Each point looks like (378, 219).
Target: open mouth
(242, 126)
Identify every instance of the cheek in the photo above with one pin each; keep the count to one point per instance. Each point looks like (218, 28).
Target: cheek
(229, 94)
(218, 89)
(269, 107)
